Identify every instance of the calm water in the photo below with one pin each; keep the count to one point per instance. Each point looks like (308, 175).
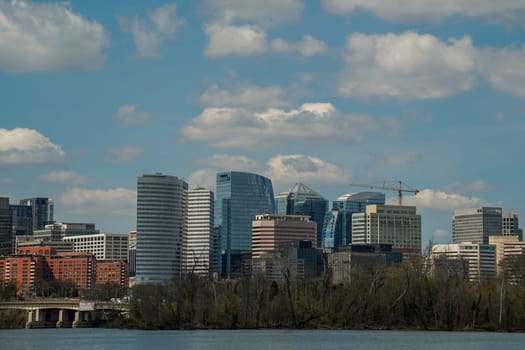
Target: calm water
(102, 339)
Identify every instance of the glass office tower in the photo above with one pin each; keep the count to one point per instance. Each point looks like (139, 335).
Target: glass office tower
(161, 226)
(337, 228)
(302, 200)
(239, 197)
(43, 211)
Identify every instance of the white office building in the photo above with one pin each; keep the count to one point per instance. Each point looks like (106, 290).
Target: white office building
(397, 225)
(477, 261)
(105, 246)
(196, 243)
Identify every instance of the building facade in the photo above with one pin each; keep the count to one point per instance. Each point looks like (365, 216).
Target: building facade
(337, 227)
(22, 219)
(397, 225)
(196, 243)
(475, 261)
(269, 231)
(105, 246)
(75, 268)
(6, 228)
(239, 197)
(58, 231)
(161, 226)
(476, 224)
(43, 211)
(302, 200)
(113, 272)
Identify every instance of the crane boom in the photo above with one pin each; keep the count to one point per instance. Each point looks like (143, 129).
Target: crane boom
(399, 189)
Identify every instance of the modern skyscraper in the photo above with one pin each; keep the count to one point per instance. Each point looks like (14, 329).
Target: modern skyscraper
(397, 225)
(475, 225)
(22, 219)
(43, 211)
(337, 227)
(302, 200)
(161, 226)
(6, 227)
(196, 244)
(240, 196)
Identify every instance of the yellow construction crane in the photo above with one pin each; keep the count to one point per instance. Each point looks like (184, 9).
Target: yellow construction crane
(391, 186)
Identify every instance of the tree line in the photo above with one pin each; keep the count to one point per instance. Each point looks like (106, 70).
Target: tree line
(405, 296)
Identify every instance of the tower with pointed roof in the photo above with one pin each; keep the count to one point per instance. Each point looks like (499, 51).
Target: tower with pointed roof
(302, 200)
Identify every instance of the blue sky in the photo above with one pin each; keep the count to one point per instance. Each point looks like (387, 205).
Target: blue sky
(329, 92)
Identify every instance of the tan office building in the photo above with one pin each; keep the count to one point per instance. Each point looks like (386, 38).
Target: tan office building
(269, 231)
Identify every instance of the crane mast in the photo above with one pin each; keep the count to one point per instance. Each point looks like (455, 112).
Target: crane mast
(390, 186)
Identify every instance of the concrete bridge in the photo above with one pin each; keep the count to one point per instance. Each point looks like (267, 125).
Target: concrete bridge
(67, 313)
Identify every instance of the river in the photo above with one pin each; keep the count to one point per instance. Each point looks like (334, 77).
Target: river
(117, 339)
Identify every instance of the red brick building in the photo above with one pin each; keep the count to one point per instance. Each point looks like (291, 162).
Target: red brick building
(77, 268)
(23, 270)
(113, 272)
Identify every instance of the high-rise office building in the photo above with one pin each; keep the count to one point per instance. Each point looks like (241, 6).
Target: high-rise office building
(270, 231)
(397, 225)
(475, 261)
(510, 225)
(337, 227)
(161, 226)
(239, 197)
(6, 228)
(196, 243)
(475, 225)
(22, 219)
(43, 211)
(302, 200)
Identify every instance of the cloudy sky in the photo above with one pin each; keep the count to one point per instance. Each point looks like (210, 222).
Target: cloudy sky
(328, 92)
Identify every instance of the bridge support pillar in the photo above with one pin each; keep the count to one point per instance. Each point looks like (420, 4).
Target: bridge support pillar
(82, 319)
(64, 320)
(34, 319)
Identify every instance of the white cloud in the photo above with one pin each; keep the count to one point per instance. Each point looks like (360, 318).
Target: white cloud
(406, 10)
(48, 37)
(128, 114)
(499, 117)
(6, 181)
(474, 186)
(268, 13)
(440, 233)
(504, 69)
(251, 40)
(224, 40)
(231, 162)
(282, 168)
(22, 146)
(149, 34)
(245, 96)
(116, 201)
(407, 65)
(308, 46)
(203, 177)
(124, 154)
(311, 122)
(429, 199)
(64, 177)
(401, 158)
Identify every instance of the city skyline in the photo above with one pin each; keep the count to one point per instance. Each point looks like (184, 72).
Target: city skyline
(111, 91)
